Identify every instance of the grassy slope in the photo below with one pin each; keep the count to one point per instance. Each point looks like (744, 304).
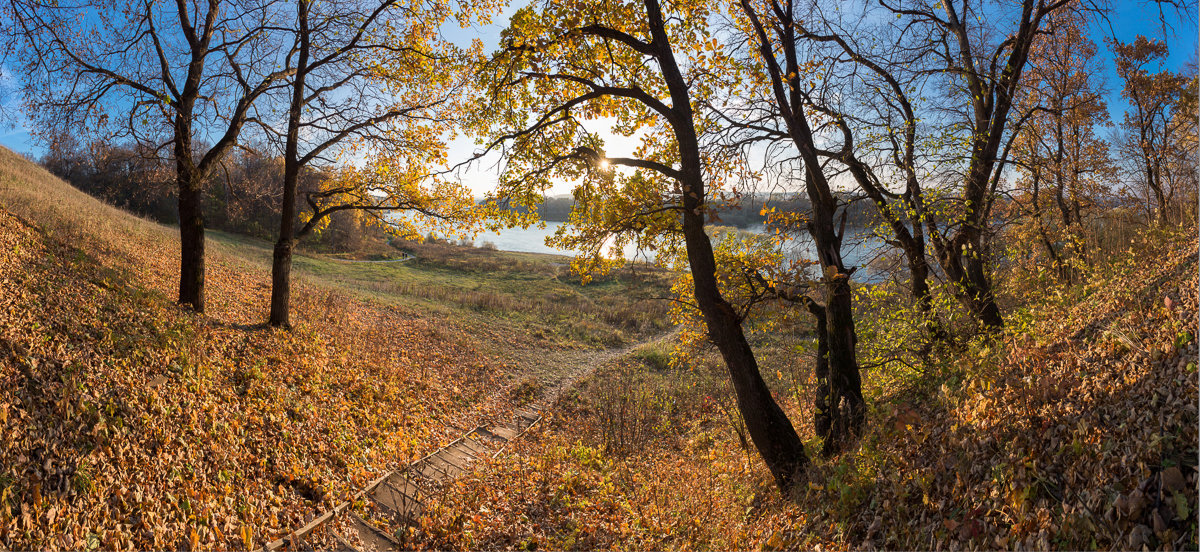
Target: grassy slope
(500, 293)
(127, 422)
(1077, 429)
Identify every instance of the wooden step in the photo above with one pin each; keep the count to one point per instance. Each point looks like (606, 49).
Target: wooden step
(504, 431)
(429, 470)
(490, 436)
(529, 414)
(442, 464)
(399, 497)
(459, 455)
(372, 539)
(461, 450)
(525, 422)
(477, 448)
(344, 545)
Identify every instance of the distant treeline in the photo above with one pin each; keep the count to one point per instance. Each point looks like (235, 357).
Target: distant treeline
(748, 213)
(242, 196)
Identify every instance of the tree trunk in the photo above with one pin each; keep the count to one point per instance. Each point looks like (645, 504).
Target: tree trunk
(769, 427)
(281, 261)
(189, 180)
(912, 242)
(982, 293)
(281, 273)
(972, 287)
(191, 239)
(822, 420)
(845, 381)
(841, 411)
(918, 268)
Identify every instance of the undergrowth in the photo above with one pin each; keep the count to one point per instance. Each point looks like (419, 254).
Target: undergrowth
(1074, 429)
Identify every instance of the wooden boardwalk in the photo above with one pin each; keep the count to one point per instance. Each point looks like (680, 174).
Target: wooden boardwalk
(400, 497)
(396, 500)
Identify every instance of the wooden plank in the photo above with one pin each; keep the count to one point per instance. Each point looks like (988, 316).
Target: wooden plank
(506, 432)
(372, 538)
(490, 435)
(399, 502)
(426, 470)
(344, 545)
(477, 448)
(459, 456)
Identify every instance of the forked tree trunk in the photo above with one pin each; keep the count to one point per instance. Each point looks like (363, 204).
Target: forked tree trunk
(971, 285)
(840, 409)
(982, 294)
(840, 393)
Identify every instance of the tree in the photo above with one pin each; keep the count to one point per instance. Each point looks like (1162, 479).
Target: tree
(776, 35)
(128, 176)
(135, 68)
(649, 71)
(901, 210)
(982, 76)
(1153, 131)
(862, 96)
(1180, 167)
(371, 75)
(1064, 162)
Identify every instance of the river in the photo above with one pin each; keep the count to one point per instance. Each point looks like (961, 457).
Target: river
(858, 250)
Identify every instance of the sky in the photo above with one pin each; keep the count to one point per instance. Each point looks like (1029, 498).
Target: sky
(1131, 18)
(1128, 19)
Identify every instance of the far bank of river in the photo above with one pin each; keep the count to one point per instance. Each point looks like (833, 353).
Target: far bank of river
(860, 247)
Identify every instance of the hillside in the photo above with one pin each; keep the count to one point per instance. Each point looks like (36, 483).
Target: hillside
(126, 422)
(1076, 430)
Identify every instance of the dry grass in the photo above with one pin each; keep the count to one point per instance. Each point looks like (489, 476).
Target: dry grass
(1057, 435)
(128, 422)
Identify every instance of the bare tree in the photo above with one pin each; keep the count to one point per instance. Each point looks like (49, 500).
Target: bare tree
(776, 35)
(1154, 133)
(864, 97)
(171, 75)
(967, 49)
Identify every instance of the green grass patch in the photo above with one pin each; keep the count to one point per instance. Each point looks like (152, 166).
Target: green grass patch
(531, 293)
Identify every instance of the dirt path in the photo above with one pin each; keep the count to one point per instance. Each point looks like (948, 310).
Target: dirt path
(396, 500)
(558, 371)
(406, 257)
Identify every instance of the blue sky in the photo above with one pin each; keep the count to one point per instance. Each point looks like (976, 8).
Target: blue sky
(1129, 19)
